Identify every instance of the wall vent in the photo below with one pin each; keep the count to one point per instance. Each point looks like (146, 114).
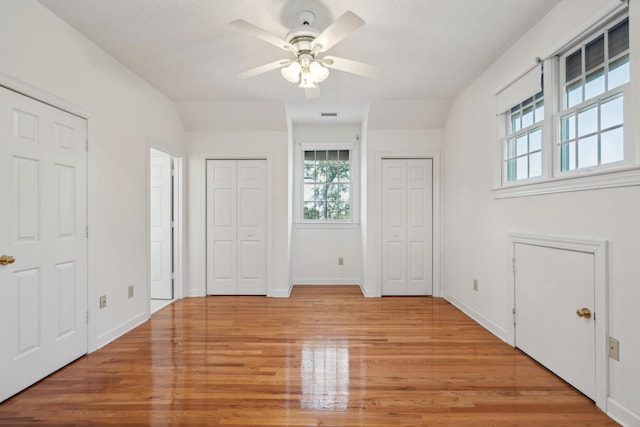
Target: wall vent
(328, 114)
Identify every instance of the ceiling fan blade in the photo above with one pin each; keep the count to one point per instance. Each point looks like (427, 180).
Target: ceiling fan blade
(249, 28)
(311, 93)
(264, 68)
(336, 32)
(349, 66)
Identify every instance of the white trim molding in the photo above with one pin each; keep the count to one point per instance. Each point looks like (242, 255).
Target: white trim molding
(599, 250)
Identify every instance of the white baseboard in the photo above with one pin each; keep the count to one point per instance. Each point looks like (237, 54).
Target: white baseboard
(622, 415)
(369, 293)
(483, 321)
(195, 292)
(120, 330)
(280, 293)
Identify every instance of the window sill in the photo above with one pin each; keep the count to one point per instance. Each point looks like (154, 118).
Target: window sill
(612, 178)
(327, 225)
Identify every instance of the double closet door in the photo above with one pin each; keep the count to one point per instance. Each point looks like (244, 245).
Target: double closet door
(407, 226)
(236, 227)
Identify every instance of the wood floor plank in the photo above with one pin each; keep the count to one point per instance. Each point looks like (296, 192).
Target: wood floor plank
(327, 356)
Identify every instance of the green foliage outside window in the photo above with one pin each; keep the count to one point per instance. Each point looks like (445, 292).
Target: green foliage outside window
(327, 182)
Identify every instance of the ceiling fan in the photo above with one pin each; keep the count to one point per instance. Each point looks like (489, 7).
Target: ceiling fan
(307, 44)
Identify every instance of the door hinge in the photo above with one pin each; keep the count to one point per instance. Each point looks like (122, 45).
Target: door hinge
(87, 316)
(513, 311)
(86, 146)
(513, 264)
(86, 231)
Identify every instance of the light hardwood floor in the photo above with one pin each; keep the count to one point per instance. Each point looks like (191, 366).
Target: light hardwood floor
(327, 356)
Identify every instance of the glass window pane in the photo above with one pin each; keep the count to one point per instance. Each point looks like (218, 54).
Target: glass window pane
(311, 192)
(568, 128)
(321, 155)
(573, 65)
(588, 151)
(535, 140)
(309, 155)
(568, 156)
(588, 121)
(539, 113)
(594, 53)
(612, 146)
(515, 122)
(343, 155)
(522, 169)
(619, 72)
(311, 211)
(344, 172)
(612, 112)
(527, 117)
(510, 149)
(574, 93)
(594, 84)
(321, 171)
(309, 171)
(332, 155)
(510, 170)
(521, 145)
(535, 165)
(619, 38)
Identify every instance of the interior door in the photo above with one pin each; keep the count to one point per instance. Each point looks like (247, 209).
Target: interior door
(554, 293)
(43, 219)
(236, 227)
(161, 223)
(407, 226)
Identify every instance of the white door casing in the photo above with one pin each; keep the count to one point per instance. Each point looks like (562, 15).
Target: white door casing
(551, 285)
(407, 226)
(161, 230)
(43, 220)
(236, 227)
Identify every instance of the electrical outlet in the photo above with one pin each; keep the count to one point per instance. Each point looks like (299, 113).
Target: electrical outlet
(130, 291)
(614, 349)
(103, 301)
(475, 285)
(340, 261)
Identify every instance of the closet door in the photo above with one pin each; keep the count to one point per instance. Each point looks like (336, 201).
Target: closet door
(236, 227)
(407, 226)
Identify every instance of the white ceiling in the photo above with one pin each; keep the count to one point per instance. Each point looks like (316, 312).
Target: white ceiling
(428, 51)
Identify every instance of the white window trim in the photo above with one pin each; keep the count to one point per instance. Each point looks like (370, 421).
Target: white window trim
(354, 160)
(612, 175)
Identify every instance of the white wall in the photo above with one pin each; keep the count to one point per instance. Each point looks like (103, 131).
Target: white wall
(270, 145)
(44, 53)
(316, 248)
(476, 224)
(395, 142)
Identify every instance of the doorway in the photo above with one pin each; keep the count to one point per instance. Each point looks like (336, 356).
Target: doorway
(163, 230)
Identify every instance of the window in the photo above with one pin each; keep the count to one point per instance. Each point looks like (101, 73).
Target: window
(595, 77)
(327, 185)
(523, 141)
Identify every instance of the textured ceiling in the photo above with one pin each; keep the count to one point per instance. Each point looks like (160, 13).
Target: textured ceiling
(427, 50)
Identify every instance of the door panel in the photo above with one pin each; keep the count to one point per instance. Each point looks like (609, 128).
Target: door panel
(407, 198)
(161, 232)
(42, 224)
(550, 286)
(236, 227)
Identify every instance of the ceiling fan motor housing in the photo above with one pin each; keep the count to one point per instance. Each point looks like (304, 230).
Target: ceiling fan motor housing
(303, 36)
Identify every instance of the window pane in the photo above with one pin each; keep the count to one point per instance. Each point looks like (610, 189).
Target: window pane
(568, 156)
(338, 210)
(510, 170)
(343, 155)
(539, 113)
(535, 140)
(515, 122)
(612, 146)
(321, 155)
(535, 165)
(309, 155)
(594, 53)
(344, 171)
(568, 128)
(522, 169)
(527, 117)
(594, 85)
(574, 93)
(332, 155)
(311, 211)
(573, 65)
(521, 145)
(321, 171)
(588, 151)
(619, 38)
(612, 112)
(588, 121)
(510, 149)
(619, 72)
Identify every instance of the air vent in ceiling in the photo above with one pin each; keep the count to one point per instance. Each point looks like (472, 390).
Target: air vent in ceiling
(328, 114)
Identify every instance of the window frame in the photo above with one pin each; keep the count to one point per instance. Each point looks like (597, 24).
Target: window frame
(353, 185)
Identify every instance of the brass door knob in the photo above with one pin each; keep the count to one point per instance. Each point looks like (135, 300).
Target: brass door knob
(6, 259)
(584, 312)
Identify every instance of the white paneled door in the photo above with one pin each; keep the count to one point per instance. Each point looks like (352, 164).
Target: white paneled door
(43, 218)
(407, 226)
(554, 311)
(236, 227)
(161, 225)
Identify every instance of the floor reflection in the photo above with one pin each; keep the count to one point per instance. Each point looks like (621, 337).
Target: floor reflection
(325, 375)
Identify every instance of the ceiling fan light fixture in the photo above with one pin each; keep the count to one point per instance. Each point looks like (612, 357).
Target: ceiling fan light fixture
(306, 80)
(318, 72)
(292, 72)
